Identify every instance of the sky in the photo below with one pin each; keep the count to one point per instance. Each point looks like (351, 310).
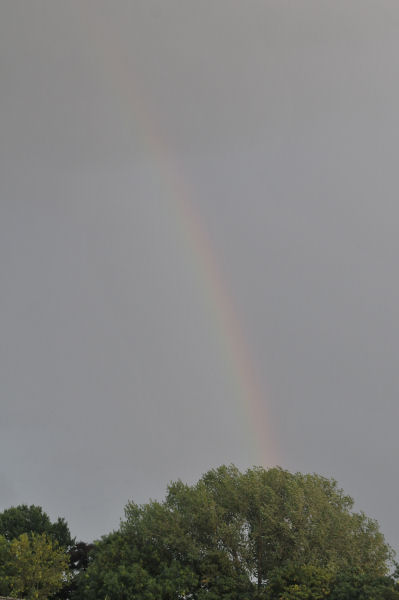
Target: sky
(198, 248)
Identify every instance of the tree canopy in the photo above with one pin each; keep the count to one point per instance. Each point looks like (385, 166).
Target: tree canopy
(254, 535)
(32, 567)
(21, 519)
(35, 554)
(233, 535)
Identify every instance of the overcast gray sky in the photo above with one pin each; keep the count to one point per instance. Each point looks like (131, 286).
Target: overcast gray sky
(277, 123)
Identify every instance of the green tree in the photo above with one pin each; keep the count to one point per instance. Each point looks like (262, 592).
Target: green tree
(116, 571)
(212, 534)
(32, 519)
(32, 567)
(154, 557)
(305, 582)
(5, 580)
(235, 535)
(354, 584)
(294, 518)
(308, 582)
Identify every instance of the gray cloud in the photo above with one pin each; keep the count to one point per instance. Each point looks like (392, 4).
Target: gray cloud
(282, 120)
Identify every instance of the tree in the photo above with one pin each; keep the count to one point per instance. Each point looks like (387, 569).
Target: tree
(305, 582)
(354, 584)
(79, 558)
(308, 582)
(5, 581)
(21, 519)
(32, 567)
(295, 518)
(33, 521)
(154, 557)
(116, 572)
(237, 535)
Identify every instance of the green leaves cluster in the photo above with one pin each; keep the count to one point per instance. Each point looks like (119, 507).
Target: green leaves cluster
(21, 519)
(260, 534)
(32, 566)
(307, 582)
(34, 559)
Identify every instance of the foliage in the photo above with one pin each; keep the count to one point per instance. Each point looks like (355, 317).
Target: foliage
(5, 579)
(21, 519)
(308, 582)
(294, 518)
(305, 582)
(79, 557)
(262, 533)
(356, 585)
(32, 567)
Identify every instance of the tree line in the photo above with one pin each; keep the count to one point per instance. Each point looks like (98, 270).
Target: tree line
(261, 534)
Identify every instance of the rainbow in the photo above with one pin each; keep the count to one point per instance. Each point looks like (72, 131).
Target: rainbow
(241, 369)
